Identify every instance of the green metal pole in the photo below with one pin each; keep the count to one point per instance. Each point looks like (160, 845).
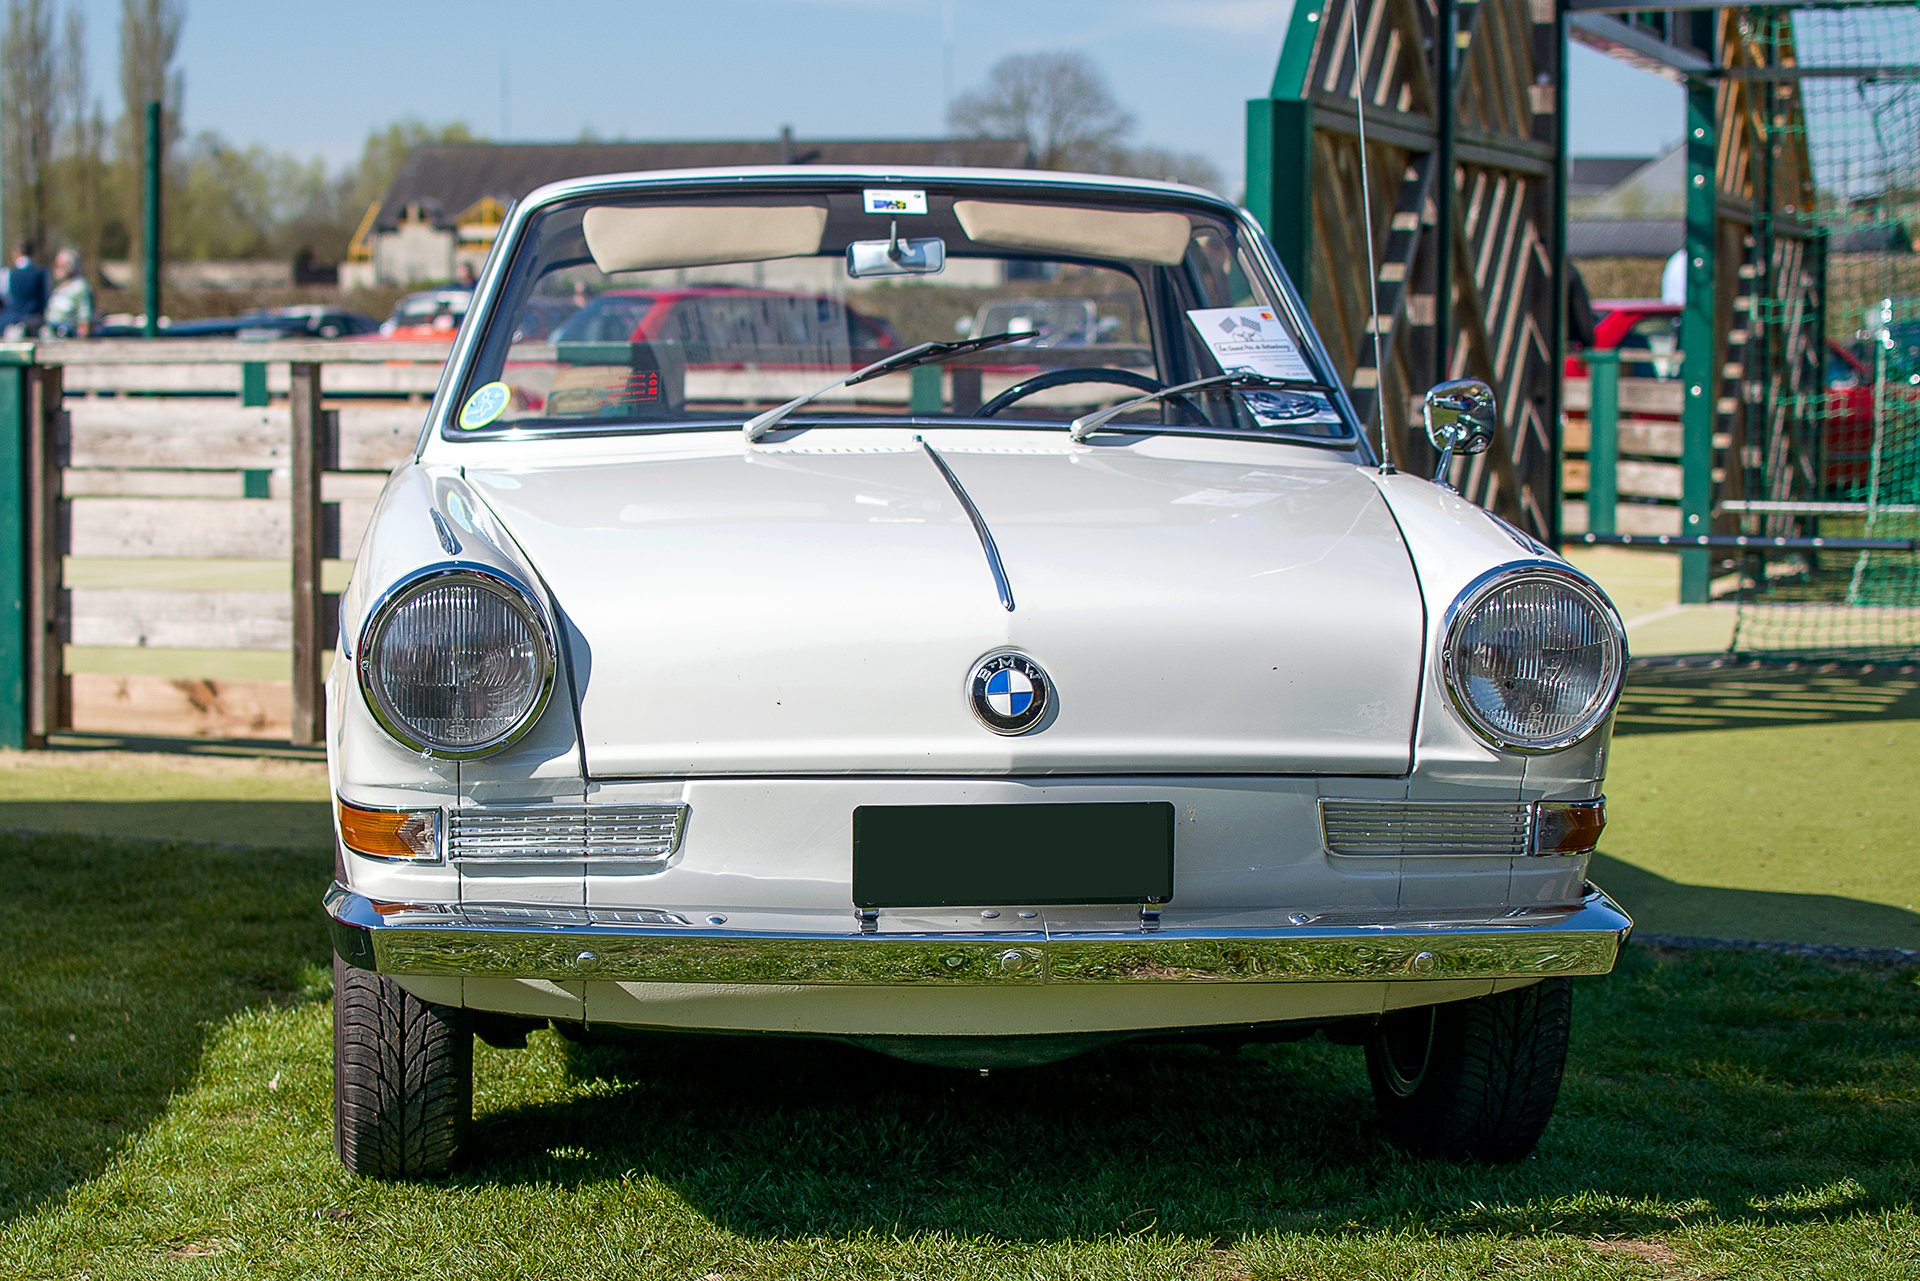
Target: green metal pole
(16, 362)
(1698, 375)
(1603, 443)
(1280, 182)
(152, 237)
(1444, 24)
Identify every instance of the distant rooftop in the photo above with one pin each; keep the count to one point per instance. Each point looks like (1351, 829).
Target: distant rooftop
(1593, 175)
(446, 179)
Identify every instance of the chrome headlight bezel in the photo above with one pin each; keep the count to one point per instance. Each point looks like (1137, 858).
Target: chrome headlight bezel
(516, 596)
(1453, 675)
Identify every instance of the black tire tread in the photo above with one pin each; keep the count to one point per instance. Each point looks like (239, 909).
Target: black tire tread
(1493, 1078)
(402, 1079)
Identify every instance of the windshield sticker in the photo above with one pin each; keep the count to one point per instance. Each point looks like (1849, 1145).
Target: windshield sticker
(485, 405)
(895, 202)
(1255, 340)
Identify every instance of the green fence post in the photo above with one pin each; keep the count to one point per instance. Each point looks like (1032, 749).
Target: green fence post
(151, 236)
(16, 362)
(1698, 374)
(253, 395)
(1603, 441)
(923, 395)
(1280, 151)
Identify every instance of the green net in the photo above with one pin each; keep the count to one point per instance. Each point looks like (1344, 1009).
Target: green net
(1858, 474)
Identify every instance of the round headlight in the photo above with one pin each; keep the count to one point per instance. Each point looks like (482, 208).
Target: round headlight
(456, 665)
(1534, 658)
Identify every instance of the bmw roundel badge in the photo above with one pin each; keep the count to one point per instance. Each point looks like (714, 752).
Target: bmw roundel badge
(1010, 693)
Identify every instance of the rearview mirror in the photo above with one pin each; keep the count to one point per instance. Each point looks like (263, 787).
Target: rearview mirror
(896, 257)
(1461, 419)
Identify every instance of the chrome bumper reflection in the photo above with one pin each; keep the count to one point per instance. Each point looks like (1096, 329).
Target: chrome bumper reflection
(642, 946)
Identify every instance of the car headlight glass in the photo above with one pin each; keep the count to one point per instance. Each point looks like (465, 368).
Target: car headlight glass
(457, 665)
(1534, 658)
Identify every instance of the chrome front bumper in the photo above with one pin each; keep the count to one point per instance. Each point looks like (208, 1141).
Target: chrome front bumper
(527, 941)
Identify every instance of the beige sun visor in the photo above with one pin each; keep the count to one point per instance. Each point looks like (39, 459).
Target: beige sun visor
(1103, 233)
(656, 236)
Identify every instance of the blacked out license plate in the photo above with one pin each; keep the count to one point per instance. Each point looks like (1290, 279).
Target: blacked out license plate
(980, 855)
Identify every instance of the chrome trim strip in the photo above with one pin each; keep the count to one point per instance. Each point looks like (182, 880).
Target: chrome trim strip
(529, 942)
(979, 525)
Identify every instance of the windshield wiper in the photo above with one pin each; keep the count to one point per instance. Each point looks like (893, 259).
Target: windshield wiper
(1084, 426)
(927, 352)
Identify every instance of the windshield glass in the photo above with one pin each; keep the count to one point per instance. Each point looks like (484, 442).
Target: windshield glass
(708, 307)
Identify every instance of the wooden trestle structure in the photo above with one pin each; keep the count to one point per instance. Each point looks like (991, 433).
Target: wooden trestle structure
(1466, 154)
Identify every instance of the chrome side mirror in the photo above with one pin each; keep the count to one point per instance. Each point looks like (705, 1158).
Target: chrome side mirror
(1461, 419)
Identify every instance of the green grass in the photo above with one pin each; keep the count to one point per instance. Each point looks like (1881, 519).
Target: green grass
(1767, 804)
(164, 1097)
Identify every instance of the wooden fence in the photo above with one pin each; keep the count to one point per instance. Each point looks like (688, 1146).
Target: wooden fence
(1648, 474)
(215, 450)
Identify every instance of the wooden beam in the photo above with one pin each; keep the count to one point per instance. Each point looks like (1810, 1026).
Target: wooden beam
(46, 448)
(313, 450)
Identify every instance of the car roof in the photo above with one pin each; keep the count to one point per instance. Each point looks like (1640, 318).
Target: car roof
(807, 175)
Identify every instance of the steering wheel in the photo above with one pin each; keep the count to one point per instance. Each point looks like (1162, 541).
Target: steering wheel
(1067, 377)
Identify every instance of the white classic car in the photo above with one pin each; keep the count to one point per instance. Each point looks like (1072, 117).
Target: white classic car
(807, 671)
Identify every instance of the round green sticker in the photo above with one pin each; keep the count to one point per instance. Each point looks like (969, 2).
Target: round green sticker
(485, 405)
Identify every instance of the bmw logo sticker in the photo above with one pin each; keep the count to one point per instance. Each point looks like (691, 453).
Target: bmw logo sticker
(1010, 693)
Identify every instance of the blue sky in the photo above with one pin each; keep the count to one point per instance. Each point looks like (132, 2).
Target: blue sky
(315, 78)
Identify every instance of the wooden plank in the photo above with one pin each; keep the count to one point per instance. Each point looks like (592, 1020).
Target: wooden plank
(1638, 480)
(147, 619)
(312, 448)
(144, 618)
(75, 353)
(1637, 395)
(170, 433)
(209, 528)
(1654, 439)
(169, 707)
(145, 483)
(46, 452)
(399, 379)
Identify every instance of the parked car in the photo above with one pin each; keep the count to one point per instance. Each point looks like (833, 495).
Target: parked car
(1645, 331)
(431, 315)
(981, 735)
(261, 324)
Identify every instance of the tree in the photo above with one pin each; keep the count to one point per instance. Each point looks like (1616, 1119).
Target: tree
(29, 117)
(149, 41)
(1060, 106)
(1058, 103)
(83, 212)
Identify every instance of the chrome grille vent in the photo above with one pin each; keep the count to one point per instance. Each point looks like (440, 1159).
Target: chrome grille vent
(630, 833)
(1427, 827)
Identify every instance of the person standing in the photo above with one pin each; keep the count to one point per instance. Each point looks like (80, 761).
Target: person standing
(26, 294)
(70, 306)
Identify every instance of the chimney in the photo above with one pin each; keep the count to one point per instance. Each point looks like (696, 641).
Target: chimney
(786, 144)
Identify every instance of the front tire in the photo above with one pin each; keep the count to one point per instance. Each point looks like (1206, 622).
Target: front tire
(1476, 1079)
(402, 1078)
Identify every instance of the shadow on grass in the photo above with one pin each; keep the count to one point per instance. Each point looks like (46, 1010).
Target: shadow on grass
(117, 959)
(304, 825)
(1707, 692)
(1660, 906)
(1730, 1086)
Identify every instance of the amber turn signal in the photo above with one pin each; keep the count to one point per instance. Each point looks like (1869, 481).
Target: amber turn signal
(412, 835)
(1569, 827)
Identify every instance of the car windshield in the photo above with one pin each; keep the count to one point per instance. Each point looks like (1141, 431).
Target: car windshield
(705, 307)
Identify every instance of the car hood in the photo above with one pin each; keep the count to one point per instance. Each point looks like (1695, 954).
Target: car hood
(817, 607)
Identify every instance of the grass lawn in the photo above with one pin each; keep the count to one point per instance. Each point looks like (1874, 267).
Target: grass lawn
(164, 1102)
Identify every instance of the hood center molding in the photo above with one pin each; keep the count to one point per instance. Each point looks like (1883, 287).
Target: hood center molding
(979, 525)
